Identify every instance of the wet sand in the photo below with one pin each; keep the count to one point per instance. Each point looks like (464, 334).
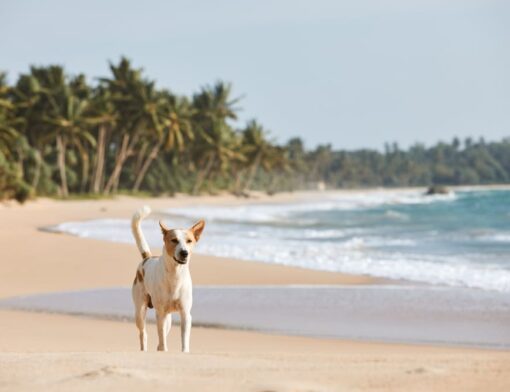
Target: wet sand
(384, 313)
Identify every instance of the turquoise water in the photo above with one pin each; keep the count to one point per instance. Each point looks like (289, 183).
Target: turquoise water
(471, 227)
(460, 239)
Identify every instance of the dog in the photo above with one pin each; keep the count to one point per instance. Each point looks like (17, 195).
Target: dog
(164, 282)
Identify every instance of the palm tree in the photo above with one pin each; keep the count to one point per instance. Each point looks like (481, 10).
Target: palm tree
(279, 166)
(171, 127)
(30, 106)
(8, 132)
(70, 127)
(320, 159)
(297, 157)
(42, 97)
(101, 114)
(130, 96)
(216, 141)
(257, 150)
(13, 145)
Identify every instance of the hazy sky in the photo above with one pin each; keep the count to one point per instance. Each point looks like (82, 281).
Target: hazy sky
(353, 73)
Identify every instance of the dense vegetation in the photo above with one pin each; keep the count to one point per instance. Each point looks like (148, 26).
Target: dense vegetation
(60, 135)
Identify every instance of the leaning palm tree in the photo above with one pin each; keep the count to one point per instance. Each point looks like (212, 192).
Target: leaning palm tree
(216, 142)
(101, 116)
(257, 150)
(129, 97)
(218, 149)
(140, 120)
(170, 127)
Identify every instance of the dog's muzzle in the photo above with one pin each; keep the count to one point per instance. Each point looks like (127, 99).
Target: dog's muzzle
(182, 262)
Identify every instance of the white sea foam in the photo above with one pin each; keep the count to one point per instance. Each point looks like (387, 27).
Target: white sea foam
(396, 215)
(350, 256)
(497, 237)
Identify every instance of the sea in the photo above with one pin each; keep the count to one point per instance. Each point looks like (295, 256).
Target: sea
(460, 239)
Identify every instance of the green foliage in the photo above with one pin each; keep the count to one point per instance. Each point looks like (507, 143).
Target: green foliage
(11, 184)
(22, 192)
(62, 136)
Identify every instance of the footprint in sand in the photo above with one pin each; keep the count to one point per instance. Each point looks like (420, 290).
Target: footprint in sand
(106, 371)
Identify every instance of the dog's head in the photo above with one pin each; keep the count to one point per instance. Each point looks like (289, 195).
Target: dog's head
(179, 243)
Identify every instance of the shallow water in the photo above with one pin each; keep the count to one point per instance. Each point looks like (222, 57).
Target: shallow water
(403, 313)
(460, 240)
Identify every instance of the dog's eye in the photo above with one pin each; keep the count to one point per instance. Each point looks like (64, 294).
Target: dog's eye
(175, 241)
(188, 241)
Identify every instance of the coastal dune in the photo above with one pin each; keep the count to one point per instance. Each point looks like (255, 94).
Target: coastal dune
(62, 352)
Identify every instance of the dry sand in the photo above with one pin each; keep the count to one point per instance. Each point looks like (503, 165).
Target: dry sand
(58, 352)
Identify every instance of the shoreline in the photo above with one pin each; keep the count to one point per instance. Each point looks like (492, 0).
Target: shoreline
(70, 262)
(183, 199)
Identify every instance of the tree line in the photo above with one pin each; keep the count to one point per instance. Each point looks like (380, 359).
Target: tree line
(61, 135)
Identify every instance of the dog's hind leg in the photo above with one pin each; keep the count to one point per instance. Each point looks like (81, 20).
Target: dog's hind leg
(140, 313)
(140, 301)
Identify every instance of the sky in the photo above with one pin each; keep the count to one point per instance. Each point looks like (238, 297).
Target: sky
(355, 74)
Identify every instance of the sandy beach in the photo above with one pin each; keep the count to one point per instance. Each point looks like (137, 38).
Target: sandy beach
(59, 352)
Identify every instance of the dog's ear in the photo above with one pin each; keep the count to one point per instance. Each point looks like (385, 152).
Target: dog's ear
(164, 228)
(197, 229)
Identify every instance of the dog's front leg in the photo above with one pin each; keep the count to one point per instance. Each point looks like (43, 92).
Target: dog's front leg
(160, 321)
(185, 330)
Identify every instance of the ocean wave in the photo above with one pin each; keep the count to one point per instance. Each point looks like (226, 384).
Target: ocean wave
(318, 234)
(484, 235)
(496, 237)
(286, 213)
(377, 242)
(349, 257)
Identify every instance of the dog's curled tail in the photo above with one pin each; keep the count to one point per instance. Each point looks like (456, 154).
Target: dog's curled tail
(137, 231)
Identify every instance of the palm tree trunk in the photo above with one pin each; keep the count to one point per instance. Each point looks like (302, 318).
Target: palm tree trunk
(129, 152)
(61, 149)
(37, 170)
(85, 166)
(140, 157)
(253, 171)
(237, 184)
(202, 175)
(141, 174)
(119, 162)
(21, 157)
(99, 161)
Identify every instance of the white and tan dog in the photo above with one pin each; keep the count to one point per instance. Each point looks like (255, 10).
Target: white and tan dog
(164, 282)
